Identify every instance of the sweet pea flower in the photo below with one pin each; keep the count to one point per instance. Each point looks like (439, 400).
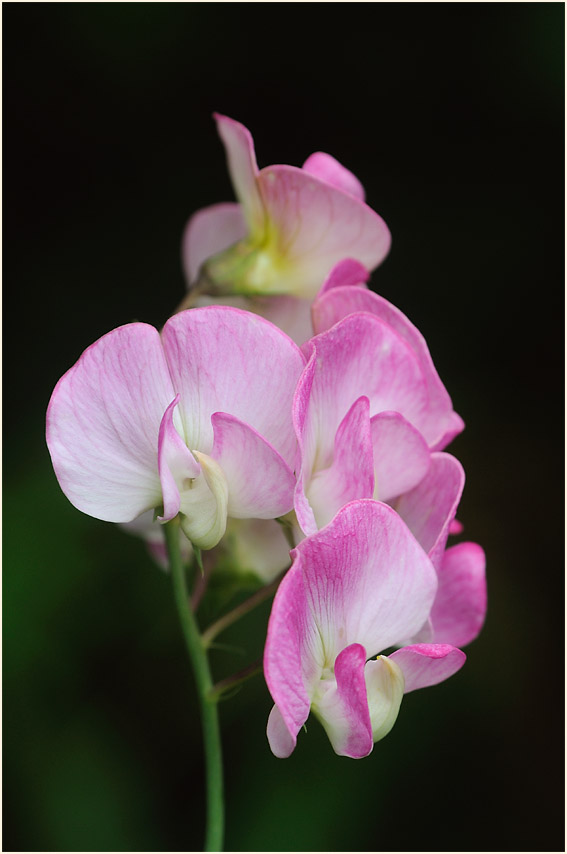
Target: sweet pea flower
(366, 422)
(359, 586)
(290, 227)
(191, 422)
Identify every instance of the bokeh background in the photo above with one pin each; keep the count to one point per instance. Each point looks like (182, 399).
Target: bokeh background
(452, 117)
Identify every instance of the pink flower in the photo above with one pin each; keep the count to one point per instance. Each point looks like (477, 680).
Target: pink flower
(194, 422)
(359, 586)
(290, 228)
(366, 420)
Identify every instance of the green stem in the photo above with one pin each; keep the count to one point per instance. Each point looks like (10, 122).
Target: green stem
(248, 605)
(209, 708)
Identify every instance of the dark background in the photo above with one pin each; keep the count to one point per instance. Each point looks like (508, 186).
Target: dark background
(452, 117)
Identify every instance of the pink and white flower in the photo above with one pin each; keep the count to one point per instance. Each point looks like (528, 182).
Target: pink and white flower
(194, 421)
(359, 586)
(290, 227)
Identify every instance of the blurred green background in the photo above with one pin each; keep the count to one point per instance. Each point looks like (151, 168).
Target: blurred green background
(452, 117)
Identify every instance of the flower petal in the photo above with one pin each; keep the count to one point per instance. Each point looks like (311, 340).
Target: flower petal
(401, 455)
(316, 225)
(209, 231)
(204, 505)
(367, 579)
(361, 355)
(241, 159)
(441, 424)
(103, 424)
(460, 605)
(257, 546)
(427, 664)
(345, 274)
(429, 508)
(351, 474)
(282, 743)
(325, 167)
(226, 360)
(385, 690)
(260, 483)
(342, 707)
(176, 463)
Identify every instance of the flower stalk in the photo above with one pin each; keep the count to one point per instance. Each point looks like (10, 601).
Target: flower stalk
(209, 709)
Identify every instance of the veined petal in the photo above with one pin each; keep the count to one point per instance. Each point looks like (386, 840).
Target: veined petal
(103, 424)
(313, 225)
(441, 424)
(401, 455)
(347, 273)
(342, 706)
(367, 580)
(226, 360)
(361, 355)
(460, 605)
(209, 231)
(429, 508)
(325, 167)
(427, 664)
(260, 483)
(292, 660)
(241, 159)
(351, 474)
(384, 689)
(176, 463)
(204, 504)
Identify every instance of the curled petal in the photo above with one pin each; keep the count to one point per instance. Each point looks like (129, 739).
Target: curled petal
(204, 504)
(223, 359)
(103, 424)
(316, 225)
(441, 424)
(427, 664)
(401, 455)
(241, 159)
(209, 231)
(385, 689)
(282, 742)
(325, 167)
(429, 508)
(460, 605)
(347, 273)
(351, 474)
(260, 483)
(176, 463)
(342, 706)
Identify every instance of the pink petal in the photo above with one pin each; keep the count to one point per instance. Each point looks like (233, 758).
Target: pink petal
(427, 664)
(456, 527)
(257, 546)
(351, 474)
(316, 225)
(343, 708)
(291, 668)
(429, 508)
(175, 463)
(325, 167)
(103, 424)
(347, 273)
(460, 605)
(282, 742)
(401, 455)
(290, 314)
(209, 231)
(359, 356)
(440, 424)
(260, 483)
(243, 169)
(226, 360)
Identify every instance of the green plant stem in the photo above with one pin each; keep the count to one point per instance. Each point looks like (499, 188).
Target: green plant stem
(209, 709)
(248, 605)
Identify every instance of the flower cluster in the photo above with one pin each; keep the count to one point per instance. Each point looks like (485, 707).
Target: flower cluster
(289, 391)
